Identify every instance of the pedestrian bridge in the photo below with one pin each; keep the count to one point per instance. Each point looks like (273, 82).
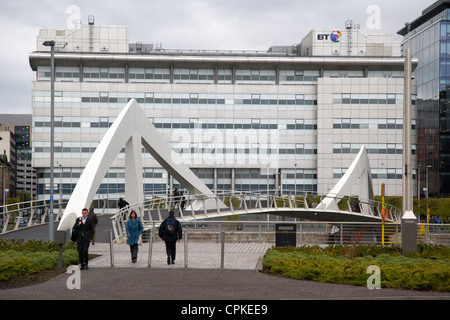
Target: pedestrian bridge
(308, 206)
(351, 199)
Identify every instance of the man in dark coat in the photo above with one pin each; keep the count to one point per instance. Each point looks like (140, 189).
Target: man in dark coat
(122, 203)
(170, 231)
(85, 227)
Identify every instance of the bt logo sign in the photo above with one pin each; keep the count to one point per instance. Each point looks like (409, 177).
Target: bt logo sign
(335, 36)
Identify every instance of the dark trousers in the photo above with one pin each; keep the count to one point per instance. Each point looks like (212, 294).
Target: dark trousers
(171, 249)
(134, 250)
(83, 249)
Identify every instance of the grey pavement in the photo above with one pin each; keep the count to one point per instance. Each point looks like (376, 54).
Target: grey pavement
(203, 279)
(200, 255)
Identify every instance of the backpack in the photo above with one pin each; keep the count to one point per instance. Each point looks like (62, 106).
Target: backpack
(171, 226)
(74, 235)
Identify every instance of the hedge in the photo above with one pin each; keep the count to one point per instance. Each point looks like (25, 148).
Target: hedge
(397, 271)
(18, 257)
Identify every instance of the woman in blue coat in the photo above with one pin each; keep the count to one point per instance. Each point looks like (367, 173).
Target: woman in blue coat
(134, 230)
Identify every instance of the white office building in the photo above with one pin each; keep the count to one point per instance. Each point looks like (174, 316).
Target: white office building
(291, 118)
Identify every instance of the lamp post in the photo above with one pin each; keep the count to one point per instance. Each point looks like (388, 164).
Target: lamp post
(428, 192)
(4, 187)
(295, 181)
(51, 44)
(409, 220)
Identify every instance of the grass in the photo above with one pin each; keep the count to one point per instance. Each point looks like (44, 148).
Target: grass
(428, 269)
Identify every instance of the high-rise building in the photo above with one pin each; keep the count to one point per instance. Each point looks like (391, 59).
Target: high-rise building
(430, 44)
(291, 118)
(23, 174)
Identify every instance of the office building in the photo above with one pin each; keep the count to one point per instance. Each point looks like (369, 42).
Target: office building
(23, 175)
(430, 44)
(291, 118)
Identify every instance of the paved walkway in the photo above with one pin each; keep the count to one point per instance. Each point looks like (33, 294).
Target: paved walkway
(202, 280)
(201, 255)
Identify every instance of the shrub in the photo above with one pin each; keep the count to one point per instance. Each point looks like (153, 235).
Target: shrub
(18, 257)
(428, 269)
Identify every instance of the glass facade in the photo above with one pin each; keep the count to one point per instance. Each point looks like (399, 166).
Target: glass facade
(430, 44)
(444, 107)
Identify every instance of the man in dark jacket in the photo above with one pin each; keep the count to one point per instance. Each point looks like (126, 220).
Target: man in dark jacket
(85, 227)
(170, 231)
(122, 203)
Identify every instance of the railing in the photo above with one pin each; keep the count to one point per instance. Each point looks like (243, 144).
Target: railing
(26, 214)
(308, 232)
(152, 210)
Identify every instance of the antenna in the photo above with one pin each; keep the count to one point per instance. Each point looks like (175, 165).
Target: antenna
(91, 21)
(349, 26)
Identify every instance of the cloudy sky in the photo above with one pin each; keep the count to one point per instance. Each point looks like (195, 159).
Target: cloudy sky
(184, 24)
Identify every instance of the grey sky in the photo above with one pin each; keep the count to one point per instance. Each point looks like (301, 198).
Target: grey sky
(183, 24)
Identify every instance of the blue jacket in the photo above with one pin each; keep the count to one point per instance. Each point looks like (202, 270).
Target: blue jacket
(134, 229)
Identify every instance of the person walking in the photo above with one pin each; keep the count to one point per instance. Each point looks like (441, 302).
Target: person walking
(182, 203)
(134, 231)
(94, 217)
(170, 232)
(122, 203)
(84, 226)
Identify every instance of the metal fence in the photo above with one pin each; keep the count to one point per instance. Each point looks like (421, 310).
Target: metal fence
(310, 233)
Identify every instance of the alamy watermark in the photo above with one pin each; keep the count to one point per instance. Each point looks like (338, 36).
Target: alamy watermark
(74, 19)
(374, 281)
(74, 281)
(374, 20)
(226, 147)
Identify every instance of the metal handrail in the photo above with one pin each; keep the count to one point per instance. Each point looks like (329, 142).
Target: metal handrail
(249, 202)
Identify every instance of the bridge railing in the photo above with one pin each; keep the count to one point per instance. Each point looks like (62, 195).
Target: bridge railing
(306, 232)
(154, 210)
(16, 216)
(25, 214)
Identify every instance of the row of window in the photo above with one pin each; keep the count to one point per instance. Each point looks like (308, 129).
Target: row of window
(376, 173)
(299, 124)
(294, 149)
(382, 124)
(369, 98)
(377, 148)
(114, 188)
(207, 76)
(299, 99)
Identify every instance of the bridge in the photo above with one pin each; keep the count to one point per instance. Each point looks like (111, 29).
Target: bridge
(306, 206)
(351, 199)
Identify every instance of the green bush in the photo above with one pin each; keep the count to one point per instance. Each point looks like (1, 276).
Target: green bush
(234, 201)
(18, 257)
(428, 269)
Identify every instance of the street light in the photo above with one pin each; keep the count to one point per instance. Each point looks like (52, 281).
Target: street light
(4, 187)
(428, 192)
(51, 44)
(408, 220)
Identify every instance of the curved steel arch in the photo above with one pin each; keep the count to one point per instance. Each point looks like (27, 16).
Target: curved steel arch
(130, 129)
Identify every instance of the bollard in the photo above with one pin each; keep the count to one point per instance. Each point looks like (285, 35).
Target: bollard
(185, 250)
(150, 249)
(61, 237)
(222, 249)
(111, 251)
